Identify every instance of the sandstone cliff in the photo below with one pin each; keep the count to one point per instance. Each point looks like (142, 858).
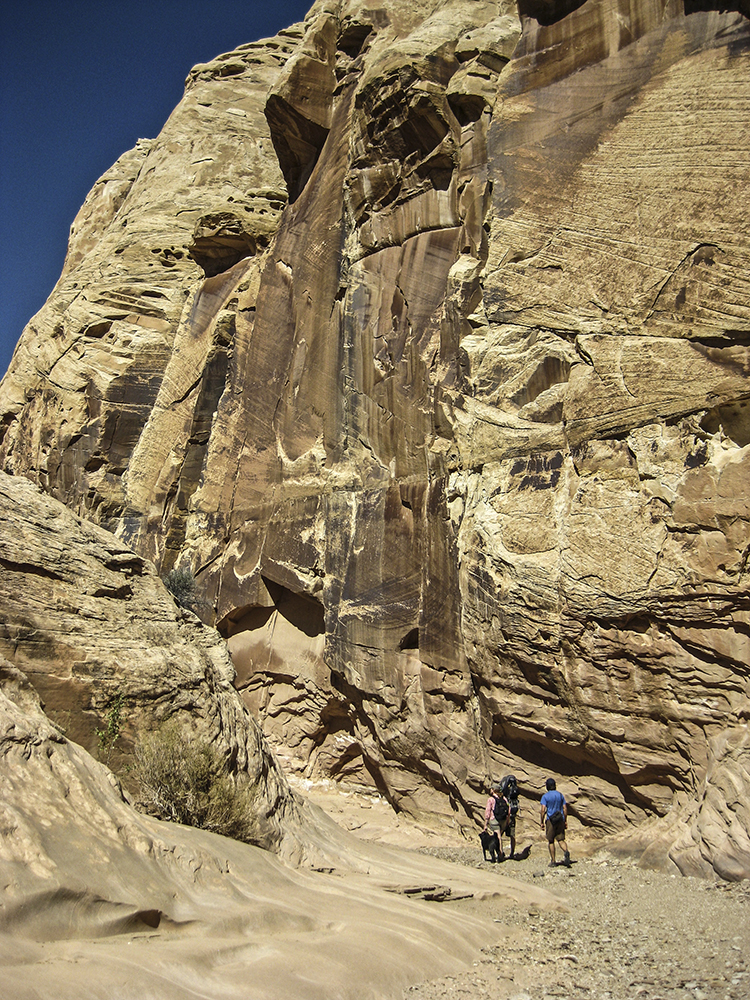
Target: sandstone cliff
(421, 334)
(87, 621)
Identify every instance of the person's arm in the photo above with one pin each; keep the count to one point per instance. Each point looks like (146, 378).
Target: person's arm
(488, 812)
(565, 812)
(542, 815)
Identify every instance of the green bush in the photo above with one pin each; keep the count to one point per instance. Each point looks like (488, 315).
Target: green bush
(186, 780)
(110, 734)
(181, 585)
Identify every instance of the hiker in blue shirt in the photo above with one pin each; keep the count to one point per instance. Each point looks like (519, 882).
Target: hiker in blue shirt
(553, 818)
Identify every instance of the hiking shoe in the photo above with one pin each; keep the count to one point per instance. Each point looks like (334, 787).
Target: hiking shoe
(552, 864)
(566, 858)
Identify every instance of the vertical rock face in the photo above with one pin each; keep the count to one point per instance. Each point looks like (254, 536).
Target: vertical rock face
(421, 334)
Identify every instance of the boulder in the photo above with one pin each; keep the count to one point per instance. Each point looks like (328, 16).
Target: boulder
(88, 626)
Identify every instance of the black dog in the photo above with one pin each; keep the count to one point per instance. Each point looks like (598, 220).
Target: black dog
(491, 844)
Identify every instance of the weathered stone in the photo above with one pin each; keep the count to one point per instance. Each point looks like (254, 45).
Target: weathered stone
(87, 619)
(457, 441)
(717, 836)
(96, 895)
(706, 835)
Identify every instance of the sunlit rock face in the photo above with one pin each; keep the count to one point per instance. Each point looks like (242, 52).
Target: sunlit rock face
(421, 334)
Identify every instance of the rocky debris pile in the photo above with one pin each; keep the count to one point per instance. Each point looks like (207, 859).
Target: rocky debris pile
(627, 933)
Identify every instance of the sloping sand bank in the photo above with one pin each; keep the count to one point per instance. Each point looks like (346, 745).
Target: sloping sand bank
(99, 901)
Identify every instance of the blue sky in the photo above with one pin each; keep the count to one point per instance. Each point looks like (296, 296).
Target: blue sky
(80, 82)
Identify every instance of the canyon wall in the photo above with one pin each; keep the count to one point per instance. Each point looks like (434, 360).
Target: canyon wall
(420, 334)
(87, 626)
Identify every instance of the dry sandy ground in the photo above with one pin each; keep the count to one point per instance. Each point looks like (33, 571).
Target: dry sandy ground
(626, 932)
(100, 903)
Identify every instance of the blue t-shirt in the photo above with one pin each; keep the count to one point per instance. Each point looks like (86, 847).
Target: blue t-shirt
(554, 801)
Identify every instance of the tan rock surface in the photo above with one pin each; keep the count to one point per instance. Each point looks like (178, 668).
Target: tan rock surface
(86, 619)
(103, 902)
(421, 335)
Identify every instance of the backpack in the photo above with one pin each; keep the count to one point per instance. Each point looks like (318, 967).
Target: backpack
(500, 810)
(509, 788)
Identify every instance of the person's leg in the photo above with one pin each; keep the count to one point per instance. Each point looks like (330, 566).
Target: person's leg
(550, 832)
(566, 852)
(560, 838)
(495, 843)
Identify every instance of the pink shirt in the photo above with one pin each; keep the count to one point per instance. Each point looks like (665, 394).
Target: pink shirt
(489, 809)
(489, 812)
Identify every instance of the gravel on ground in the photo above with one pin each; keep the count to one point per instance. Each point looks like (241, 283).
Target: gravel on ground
(626, 933)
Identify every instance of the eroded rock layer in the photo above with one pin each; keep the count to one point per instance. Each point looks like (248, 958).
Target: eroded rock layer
(87, 625)
(421, 334)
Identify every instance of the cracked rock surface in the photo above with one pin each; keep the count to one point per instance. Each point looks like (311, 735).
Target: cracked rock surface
(420, 334)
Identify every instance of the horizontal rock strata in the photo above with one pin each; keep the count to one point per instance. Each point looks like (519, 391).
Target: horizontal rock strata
(421, 334)
(89, 622)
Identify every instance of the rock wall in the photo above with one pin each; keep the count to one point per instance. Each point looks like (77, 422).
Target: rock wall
(84, 620)
(421, 334)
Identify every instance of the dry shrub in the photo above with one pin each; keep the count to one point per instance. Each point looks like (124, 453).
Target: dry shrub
(181, 585)
(186, 780)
